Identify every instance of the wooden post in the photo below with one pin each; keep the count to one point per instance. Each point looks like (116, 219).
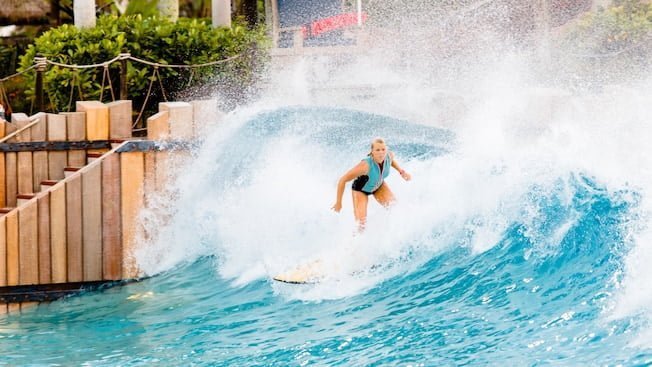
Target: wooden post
(11, 169)
(180, 119)
(111, 223)
(162, 170)
(39, 158)
(12, 248)
(76, 131)
(74, 228)
(97, 119)
(131, 188)
(181, 128)
(205, 115)
(119, 120)
(158, 127)
(92, 221)
(58, 160)
(123, 77)
(44, 250)
(12, 181)
(25, 163)
(56, 12)
(41, 65)
(28, 242)
(58, 233)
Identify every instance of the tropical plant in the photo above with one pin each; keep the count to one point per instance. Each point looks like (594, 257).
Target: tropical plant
(610, 45)
(625, 24)
(186, 42)
(14, 87)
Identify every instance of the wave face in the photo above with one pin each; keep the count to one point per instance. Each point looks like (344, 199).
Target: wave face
(491, 254)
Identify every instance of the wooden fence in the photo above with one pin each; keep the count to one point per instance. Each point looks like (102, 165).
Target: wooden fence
(73, 187)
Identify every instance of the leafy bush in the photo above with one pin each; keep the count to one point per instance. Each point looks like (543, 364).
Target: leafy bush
(611, 45)
(186, 42)
(6, 59)
(626, 24)
(14, 87)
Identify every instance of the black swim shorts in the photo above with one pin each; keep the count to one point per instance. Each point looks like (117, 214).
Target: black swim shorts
(359, 183)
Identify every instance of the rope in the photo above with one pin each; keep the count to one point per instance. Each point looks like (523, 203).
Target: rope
(192, 74)
(103, 80)
(104, 64)
(160, 83)
(108, 75)
(184, 66)
(79, 89)
(4, 97)
(149, 91)
(52, 103)
(72, 89)
(42, 62)
(18, 74)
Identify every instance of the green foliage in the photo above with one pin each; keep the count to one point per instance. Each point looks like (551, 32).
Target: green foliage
(7, 53)
(188, 41)
(626, 24)
(15, 86)
(611, 45)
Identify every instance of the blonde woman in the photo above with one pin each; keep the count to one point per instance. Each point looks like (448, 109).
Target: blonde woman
(369, 177)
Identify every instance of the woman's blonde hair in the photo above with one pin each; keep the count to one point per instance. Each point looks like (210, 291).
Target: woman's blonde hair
(377, 140)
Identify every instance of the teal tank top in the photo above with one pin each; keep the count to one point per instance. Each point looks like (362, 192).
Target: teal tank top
(375, 177)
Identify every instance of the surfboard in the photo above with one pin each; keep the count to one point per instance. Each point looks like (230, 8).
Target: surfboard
(309, 273)
(318, 270)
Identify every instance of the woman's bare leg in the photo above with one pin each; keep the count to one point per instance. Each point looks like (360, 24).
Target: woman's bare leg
(384, 195)
(360, 202)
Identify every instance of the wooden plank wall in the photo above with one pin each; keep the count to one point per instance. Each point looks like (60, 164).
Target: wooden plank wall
(57, 131)
(132, 177)
(111, 222)
(206, 116)
(23, 172)
(84, 227)
(58, 240)
(25, 177)
(76, 131)
(72, 231)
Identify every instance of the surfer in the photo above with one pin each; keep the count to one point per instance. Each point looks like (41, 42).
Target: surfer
(369, 177)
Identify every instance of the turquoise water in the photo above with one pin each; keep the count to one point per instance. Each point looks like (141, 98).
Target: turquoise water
(525, 275)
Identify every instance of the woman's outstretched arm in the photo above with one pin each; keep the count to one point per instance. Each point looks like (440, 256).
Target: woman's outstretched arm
(406, 176)
(360, 169)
